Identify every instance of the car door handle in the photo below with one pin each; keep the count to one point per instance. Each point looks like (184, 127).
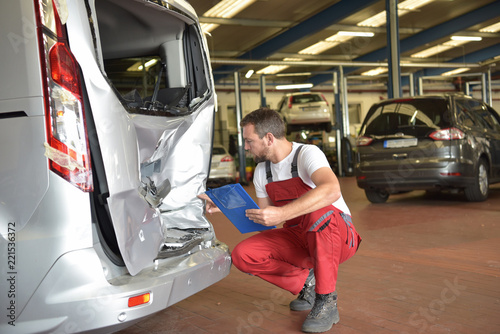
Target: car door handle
(400, 156)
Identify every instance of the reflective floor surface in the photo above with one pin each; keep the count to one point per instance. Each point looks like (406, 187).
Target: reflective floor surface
(428, 263)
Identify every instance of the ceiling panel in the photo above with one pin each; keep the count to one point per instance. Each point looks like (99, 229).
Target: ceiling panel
(265, 22)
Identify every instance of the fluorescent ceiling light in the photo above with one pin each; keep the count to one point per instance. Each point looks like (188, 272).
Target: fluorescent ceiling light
(224, 9)
(375, 71)
(294, 74)
(356, 33)
(328, 43)
(318, 48)
(413, 4)
(492, 28)
(438, 48)
(294, 86)
(249, 73)
(466, 38)
(403, 8)
(272, 69)
(374, 21)
(456, 71)
(138, 65)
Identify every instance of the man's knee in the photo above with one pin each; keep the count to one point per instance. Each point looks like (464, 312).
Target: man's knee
(240, 257)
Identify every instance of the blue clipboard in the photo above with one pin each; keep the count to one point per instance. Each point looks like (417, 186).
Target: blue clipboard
(233, 200)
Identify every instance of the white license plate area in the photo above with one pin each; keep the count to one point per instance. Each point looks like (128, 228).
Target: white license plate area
(215, 164)
(396, 143)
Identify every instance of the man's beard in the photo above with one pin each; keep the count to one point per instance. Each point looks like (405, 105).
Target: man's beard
(262, 157)
(259, 159)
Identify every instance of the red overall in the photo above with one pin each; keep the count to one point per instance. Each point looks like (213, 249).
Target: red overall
(321, 240)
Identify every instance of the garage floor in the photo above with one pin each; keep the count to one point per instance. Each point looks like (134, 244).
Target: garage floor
(427, 264)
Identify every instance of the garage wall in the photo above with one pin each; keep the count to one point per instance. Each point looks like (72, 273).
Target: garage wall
(364, 98)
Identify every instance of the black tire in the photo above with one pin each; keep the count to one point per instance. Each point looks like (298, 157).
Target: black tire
(376, 195)
(328, 127)
(288, 128)
(478, 192)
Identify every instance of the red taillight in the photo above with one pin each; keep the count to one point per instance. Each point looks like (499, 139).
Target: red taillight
(63, 68)
(447, 134)
(451, 174)
(363, 141)
(290, 102)
(227, 158)
(67, 145)
(324, 99)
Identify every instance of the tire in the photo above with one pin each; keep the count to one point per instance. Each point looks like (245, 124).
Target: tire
(288, 128)
(376, 195)
(328, 127)
(478, 192)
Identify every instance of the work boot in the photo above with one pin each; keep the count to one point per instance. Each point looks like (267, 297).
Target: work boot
(305, 299)
(323, 314)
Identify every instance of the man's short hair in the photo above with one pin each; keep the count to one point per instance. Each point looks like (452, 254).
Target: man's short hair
(265, 121)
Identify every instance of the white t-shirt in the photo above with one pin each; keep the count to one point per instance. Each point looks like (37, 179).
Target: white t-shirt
(310, 159)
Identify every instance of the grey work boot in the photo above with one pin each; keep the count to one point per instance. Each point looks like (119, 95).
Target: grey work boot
(323, 314)
(305, 299)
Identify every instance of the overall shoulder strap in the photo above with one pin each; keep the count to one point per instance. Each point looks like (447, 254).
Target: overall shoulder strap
(295, 172)
(269, 175)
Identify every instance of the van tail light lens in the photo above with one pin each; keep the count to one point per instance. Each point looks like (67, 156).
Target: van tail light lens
(67, 145)
(290, 102)
(227, 158)
(139, 300)
(363, 141)
(447, 134)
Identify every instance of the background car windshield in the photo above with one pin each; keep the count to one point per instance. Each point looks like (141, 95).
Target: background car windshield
(306, 98)
(414, 118)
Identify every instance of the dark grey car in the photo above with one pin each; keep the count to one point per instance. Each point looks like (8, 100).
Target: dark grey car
(430, 143)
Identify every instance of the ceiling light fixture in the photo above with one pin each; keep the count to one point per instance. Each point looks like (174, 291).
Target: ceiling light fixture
(455, 71)
(375, 71)
(318, 48)
(466, 38)
(137, 66)
(356, 33)
(272, 69)
(403, 8)
(294, 86)
(491, 28)
(439, 48)
(249, 73)
(224, 9)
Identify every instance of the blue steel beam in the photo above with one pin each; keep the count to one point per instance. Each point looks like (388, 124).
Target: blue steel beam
(473, 57)
(447, 28)
(318, 22)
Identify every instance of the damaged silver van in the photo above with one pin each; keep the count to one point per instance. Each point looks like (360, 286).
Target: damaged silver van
(106, 126)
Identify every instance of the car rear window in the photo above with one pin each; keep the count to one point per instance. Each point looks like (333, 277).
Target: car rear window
(306, 98)
(411, 117)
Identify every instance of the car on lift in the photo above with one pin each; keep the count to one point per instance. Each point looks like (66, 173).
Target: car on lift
(106, 124)
(305, 110)
(223, 167)
(446, 142)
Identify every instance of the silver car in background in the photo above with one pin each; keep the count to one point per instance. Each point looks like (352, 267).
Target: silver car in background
(106, 120)
(305, 111)
(223, 166)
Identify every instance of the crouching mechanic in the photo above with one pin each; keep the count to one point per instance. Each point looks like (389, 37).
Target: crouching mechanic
(295, 185)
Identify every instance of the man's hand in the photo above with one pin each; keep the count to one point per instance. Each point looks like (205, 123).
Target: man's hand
(210, 206)
(268, 216)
